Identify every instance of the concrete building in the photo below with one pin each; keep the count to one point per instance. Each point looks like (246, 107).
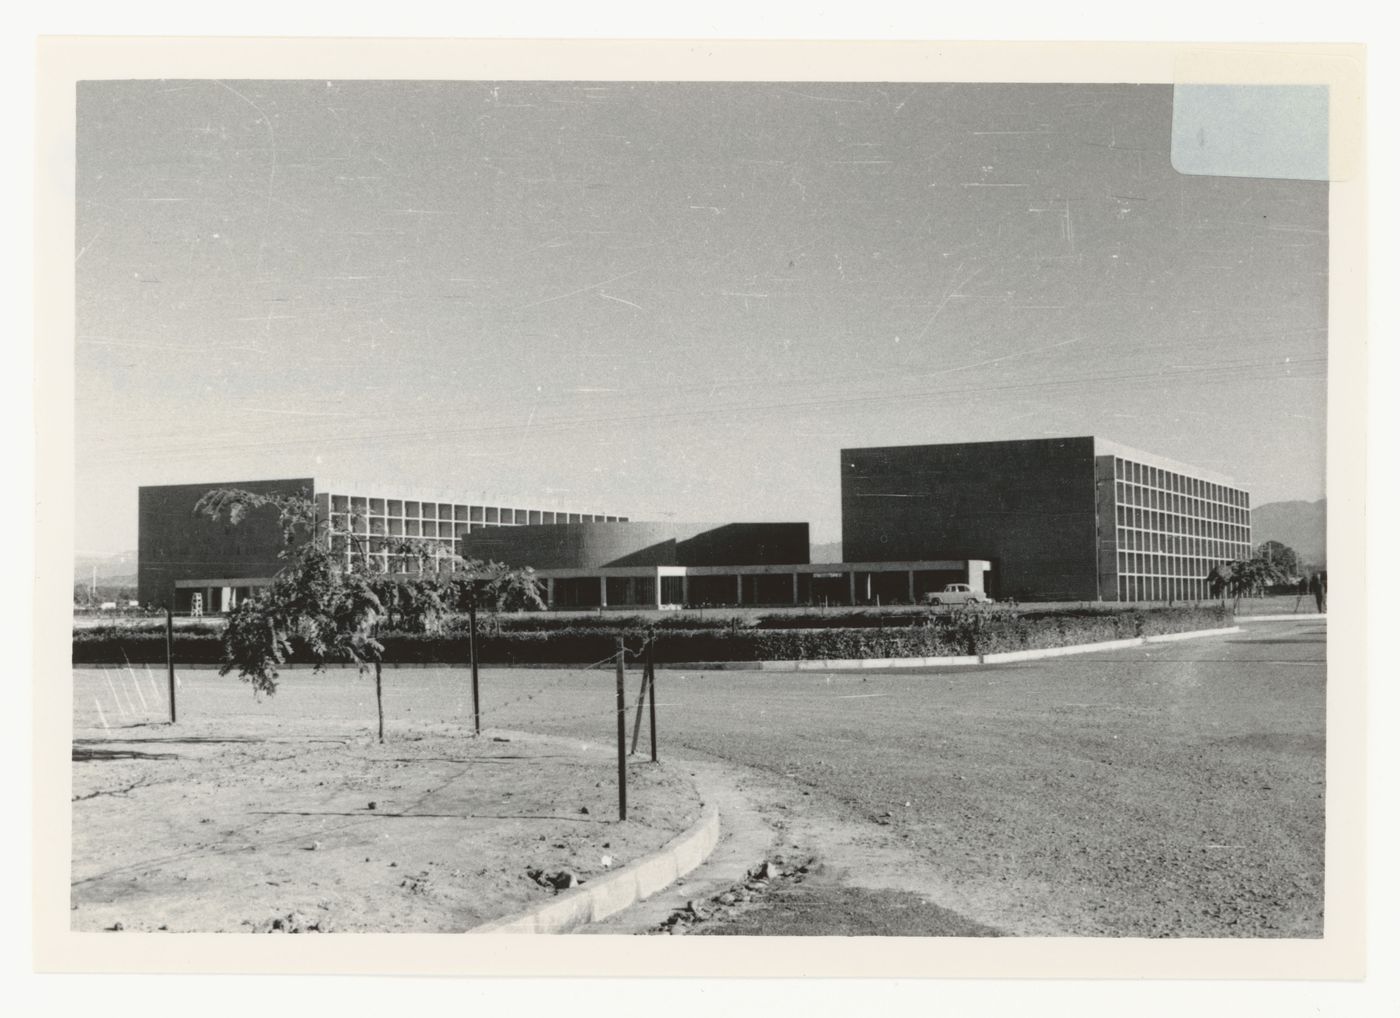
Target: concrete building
(194, 564)
(659, 565)
(1079, 519)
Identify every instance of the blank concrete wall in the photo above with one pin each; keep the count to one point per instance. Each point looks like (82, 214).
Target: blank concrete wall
(173, 543)
(601, 545)
(1027, 506)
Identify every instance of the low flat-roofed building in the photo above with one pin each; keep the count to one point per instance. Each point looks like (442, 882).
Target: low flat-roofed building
(668, 565)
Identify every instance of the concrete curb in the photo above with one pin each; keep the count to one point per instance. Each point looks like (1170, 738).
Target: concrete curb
(606, 896)
(1004, 657)
(1314, 617)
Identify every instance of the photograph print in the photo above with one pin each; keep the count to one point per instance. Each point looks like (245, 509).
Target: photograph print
(706, 508)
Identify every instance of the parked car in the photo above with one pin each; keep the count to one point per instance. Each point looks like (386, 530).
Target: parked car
(957, 593)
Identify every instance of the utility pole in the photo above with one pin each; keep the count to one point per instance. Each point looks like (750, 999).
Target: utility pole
(621, 737)
(471, 644)
(170, 660)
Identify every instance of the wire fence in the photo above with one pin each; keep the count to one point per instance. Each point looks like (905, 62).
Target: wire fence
(218, 708)
(117, 696)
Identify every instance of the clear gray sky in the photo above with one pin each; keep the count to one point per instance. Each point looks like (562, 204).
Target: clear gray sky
(672, 301)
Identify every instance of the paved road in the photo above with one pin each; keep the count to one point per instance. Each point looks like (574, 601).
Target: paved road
(1170, 790)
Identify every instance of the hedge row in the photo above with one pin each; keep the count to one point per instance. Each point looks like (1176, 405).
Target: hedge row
(963, 633)
(719, 619)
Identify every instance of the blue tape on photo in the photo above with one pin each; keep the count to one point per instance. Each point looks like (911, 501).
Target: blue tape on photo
(1275, 131)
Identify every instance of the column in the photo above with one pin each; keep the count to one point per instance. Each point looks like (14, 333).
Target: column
(603, 591)
(739, 589)
(911, 586)
(657, 590)
(549, 591)
(794, 588)
(851, 576)
(685, 589)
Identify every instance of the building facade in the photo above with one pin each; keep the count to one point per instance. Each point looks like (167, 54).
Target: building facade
(194, 564)
(1059, 519)
(663, 565)
(1078, 519)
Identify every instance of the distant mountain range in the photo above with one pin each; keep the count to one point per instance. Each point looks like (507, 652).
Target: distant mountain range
(1300, 525)
(117, 570)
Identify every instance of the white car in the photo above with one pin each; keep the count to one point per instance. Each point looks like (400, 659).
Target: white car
(957, 593)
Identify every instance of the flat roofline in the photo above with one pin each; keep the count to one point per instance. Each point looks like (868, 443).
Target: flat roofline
(684, 525)
(1108, 447)
(1102, 447)
(373, 489)
(229, 484)
(929, 565)
(226, 581)
(362, 488)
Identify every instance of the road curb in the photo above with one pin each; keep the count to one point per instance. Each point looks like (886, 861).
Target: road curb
(1313, 617)
(966, 660)
(1168, 637)
(606, 896)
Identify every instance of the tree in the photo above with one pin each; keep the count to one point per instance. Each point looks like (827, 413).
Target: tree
(333, 610)
(314, 602)
(1284, 558)
(1242, 577)
(492, 588)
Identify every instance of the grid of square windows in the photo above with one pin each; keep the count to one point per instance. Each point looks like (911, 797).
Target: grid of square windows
(1171, 529)
(362, 529)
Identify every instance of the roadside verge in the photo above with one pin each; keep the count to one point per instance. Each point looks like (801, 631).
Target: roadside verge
(606, 896)
(1004, 657)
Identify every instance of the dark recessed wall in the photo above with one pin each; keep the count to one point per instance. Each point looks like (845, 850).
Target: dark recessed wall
(600, 545)
(174, 544)
(1026, 506)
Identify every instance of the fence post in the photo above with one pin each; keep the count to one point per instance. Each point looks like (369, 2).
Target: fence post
(651, 695)
(170, 659)
(471, 649)
(637, 722)
(621, 738)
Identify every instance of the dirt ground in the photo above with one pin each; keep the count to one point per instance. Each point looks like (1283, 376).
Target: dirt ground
(274, 819)
(1172, 790)
(1166, 791)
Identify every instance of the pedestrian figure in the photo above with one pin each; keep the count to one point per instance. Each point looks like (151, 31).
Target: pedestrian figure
(1318, 588)
(1302, 589)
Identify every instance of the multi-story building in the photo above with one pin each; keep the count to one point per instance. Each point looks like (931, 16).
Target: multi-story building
(1058, 519)
(1080, 519)
(192, 563)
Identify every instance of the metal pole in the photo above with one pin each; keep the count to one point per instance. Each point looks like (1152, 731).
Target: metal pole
(170, 659)
(651, 697)
(476, 681)
(637, 722)
(621, 738)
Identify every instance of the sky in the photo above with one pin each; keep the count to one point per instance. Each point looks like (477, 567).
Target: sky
(671, 301)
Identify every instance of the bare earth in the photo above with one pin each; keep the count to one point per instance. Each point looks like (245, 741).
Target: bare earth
(272, 819)
(1162, 791)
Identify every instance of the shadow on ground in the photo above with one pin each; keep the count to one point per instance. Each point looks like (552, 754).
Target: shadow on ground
(87, 754)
